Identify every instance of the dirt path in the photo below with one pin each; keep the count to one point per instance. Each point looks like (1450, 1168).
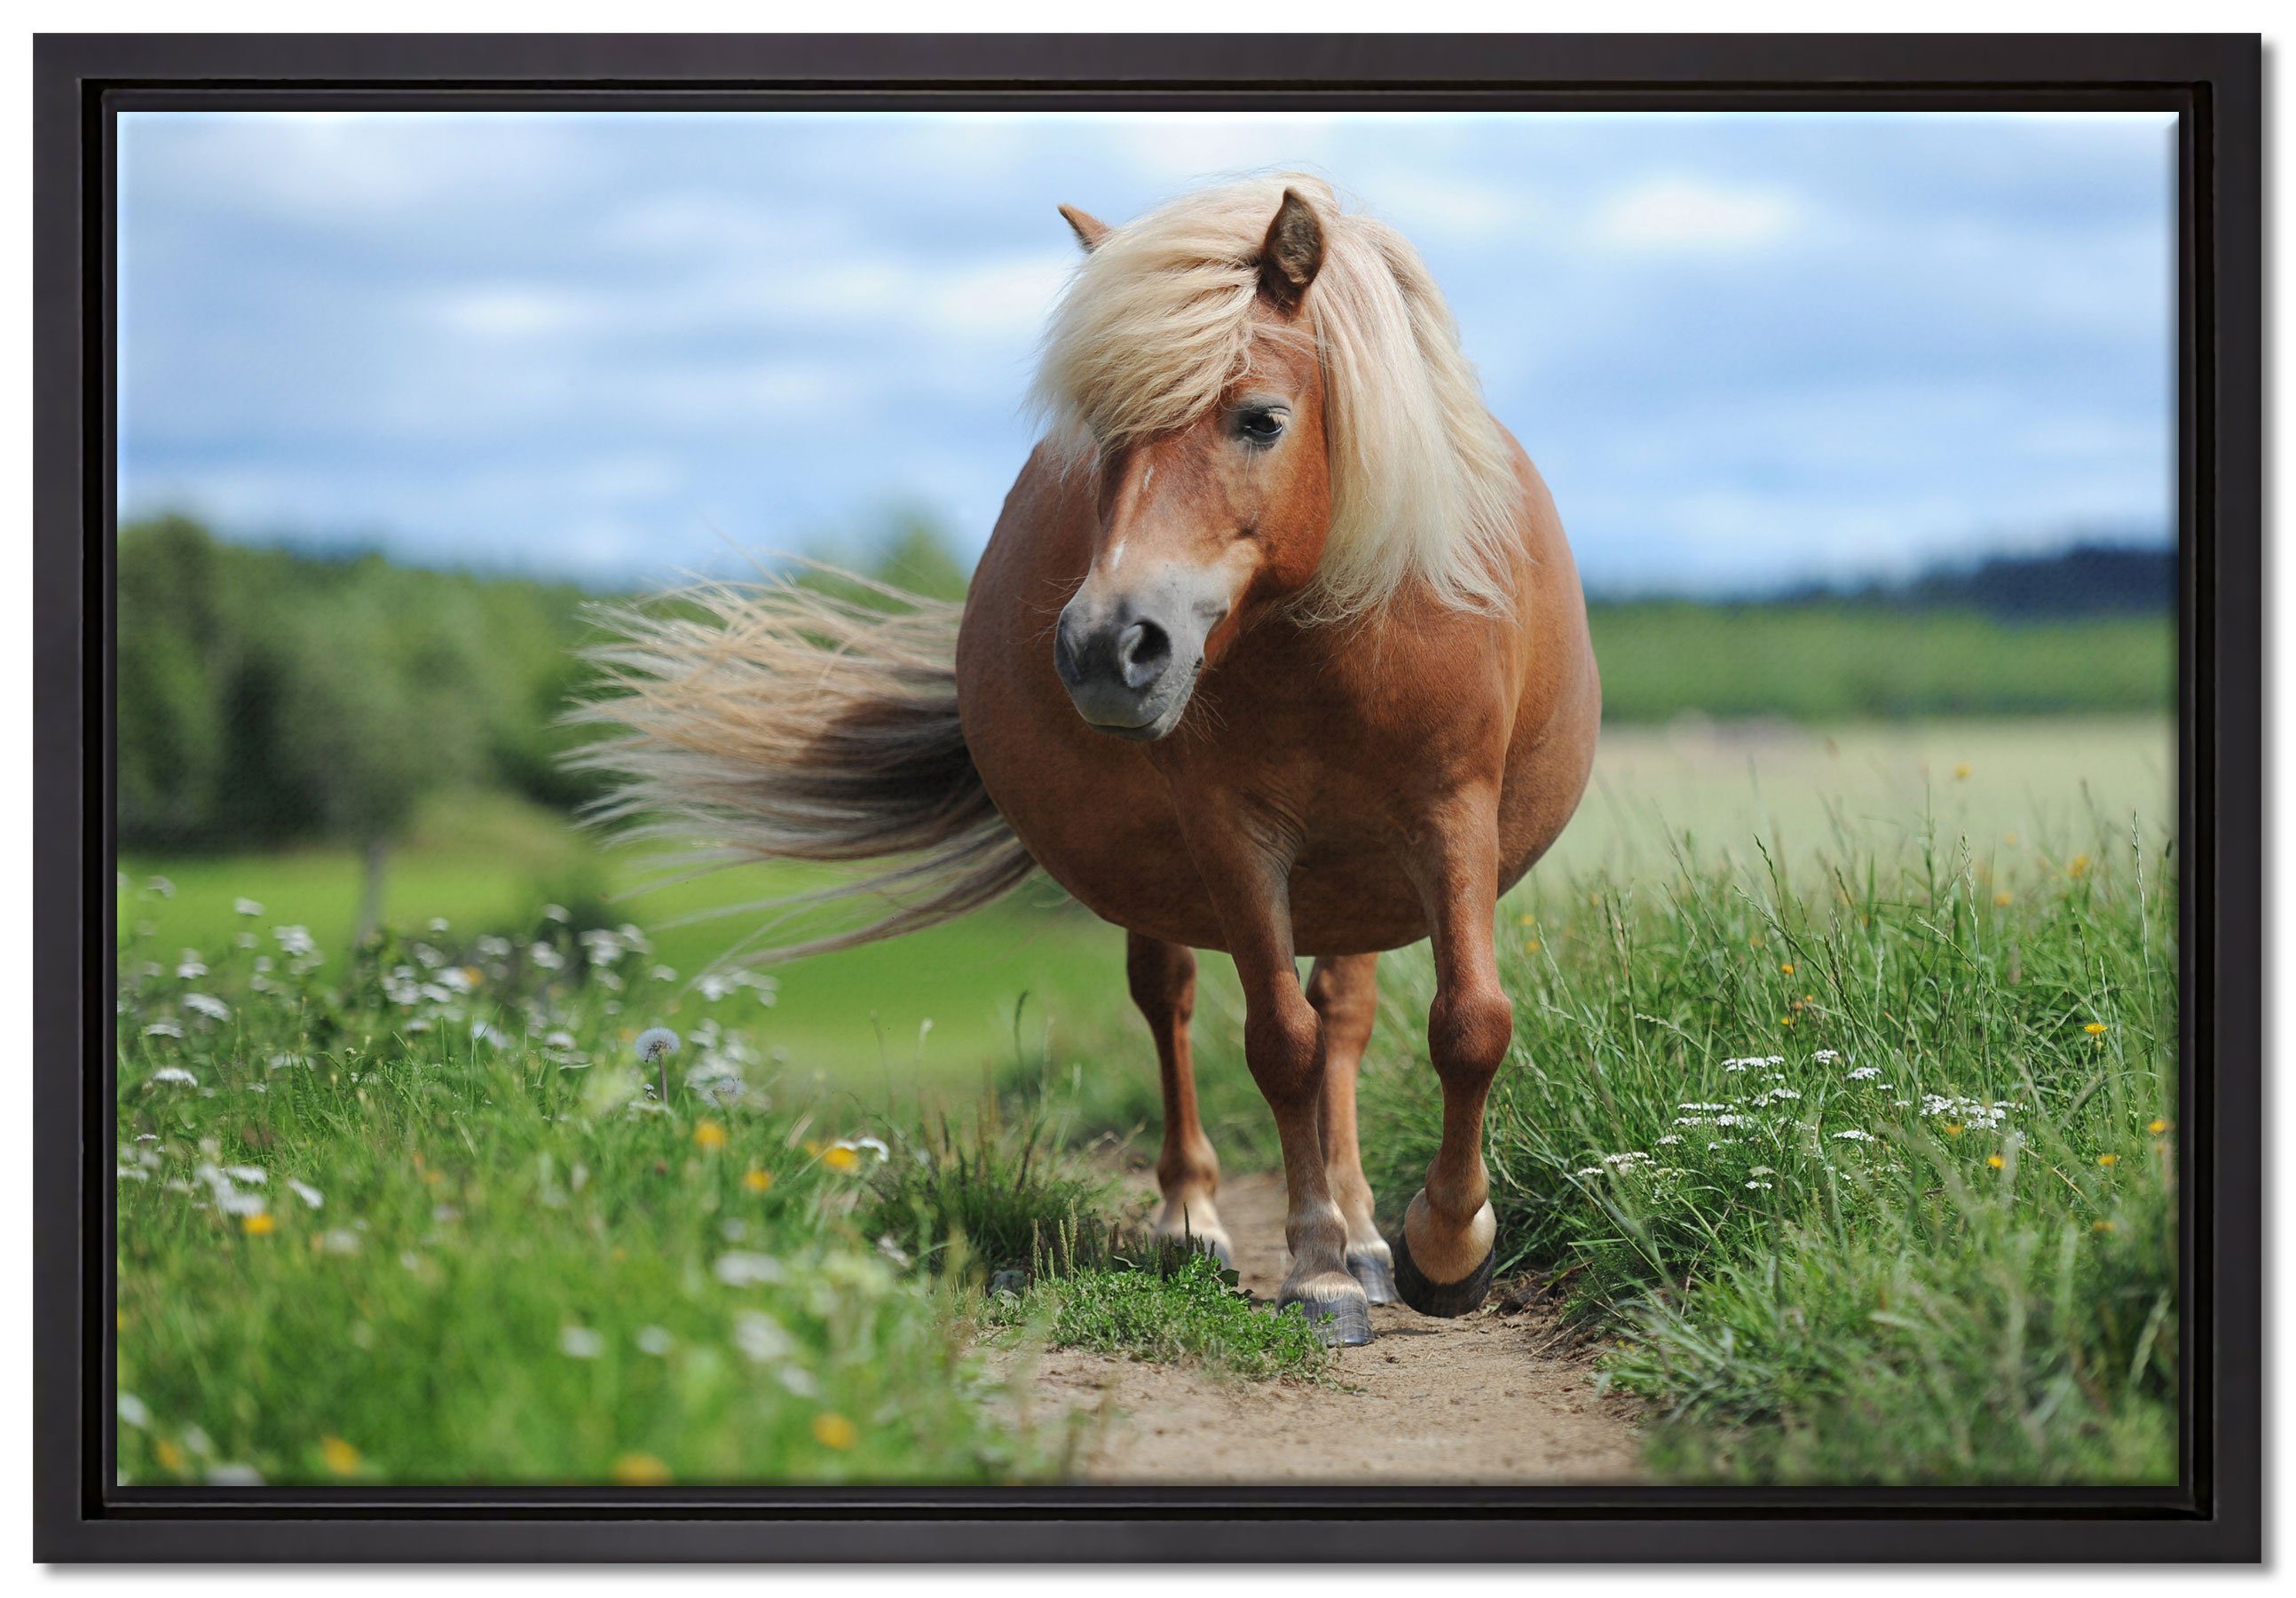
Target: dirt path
(1474, 1399)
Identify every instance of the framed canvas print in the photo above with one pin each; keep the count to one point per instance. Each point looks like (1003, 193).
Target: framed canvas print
(1057, 798)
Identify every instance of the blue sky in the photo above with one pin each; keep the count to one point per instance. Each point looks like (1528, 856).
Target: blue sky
(1744, 348)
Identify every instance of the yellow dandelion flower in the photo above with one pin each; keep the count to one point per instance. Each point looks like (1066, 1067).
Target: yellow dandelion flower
(473, 975)
(813, 1148)
(1787, 967)
(1785, 1020)
(2158, 1127)
(708, 1134)
(1755, 941)
(340, 1457)
(1994, 1160)
(258, 1226)
(2004, 897)
(2008, 838)
(1530, 945)
(833, 1430)
(2096, 1029)
(1953, 1129)
(640, 1470)
(2108, 1159)
(2102, 1227)
(170, 1457)
(837, 1157)
(1526, 920)
(756, 1181)
(1961, 771)
(2079, 867)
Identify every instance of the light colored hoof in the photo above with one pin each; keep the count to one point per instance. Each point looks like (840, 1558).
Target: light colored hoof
(1374, 1273)
(1340, 1316)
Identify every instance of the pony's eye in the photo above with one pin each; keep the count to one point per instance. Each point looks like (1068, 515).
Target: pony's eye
(1261, 424)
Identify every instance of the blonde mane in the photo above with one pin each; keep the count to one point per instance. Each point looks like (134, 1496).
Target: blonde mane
(1157, 322)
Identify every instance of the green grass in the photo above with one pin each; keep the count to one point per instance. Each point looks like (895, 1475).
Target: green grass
(986, 1198)
(1860, 1164)
(1820, 663)
(1897, 1310)
(1190, 1314)
(939, 1004)
(430, 1227)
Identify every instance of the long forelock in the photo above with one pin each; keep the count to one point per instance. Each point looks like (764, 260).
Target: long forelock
(1158, 322)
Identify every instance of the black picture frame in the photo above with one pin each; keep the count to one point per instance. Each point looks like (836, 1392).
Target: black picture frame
(2214, 83)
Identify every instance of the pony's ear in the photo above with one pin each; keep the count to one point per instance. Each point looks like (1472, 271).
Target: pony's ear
(1291, 254)
(1089, 229)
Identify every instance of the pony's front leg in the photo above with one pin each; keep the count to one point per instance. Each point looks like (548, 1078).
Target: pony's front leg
(1163, 978)
(1444, 1252)
(1283, 1044)
(1345, 992)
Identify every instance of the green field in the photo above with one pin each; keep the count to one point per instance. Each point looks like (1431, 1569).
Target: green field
(513, 1265)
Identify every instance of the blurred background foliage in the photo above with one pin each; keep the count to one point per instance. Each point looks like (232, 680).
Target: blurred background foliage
(269, 697)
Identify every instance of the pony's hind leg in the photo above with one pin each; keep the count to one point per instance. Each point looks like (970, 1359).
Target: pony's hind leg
(1345, 992)
(1163, 978)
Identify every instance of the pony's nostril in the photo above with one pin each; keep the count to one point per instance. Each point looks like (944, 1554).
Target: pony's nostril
(1143, 651)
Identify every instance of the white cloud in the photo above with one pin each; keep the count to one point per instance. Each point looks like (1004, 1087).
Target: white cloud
(510, 311)
(1680, 213)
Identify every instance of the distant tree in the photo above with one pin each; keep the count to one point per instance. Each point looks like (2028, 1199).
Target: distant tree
(372, 715)
(173, 655)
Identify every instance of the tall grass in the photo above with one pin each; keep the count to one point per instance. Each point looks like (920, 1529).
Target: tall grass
(1861, 1168)
(430, 1222)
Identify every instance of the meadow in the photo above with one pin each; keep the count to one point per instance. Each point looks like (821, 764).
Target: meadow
(424, 1215)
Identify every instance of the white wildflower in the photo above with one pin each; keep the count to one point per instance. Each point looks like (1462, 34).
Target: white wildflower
(252, 1174)
(1864, 1073)
(581, 1342)
(134, 1411)
(740, 1270)
(1853, 1136)
(656, 1044)
(176, 1074)
(760, 1337)
(655, 1340)
(163, 1029)
(246, 907)
(310, 1196)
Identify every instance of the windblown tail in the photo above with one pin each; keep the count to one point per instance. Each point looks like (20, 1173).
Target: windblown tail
(771, 721)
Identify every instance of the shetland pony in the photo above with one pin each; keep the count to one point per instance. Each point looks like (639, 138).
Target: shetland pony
(1277, 648)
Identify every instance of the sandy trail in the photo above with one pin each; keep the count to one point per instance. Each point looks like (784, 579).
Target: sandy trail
(1472, 1400)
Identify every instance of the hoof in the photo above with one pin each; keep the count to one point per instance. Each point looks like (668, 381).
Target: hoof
(1444, 1298)
(1376, 1275)
(1337, 1322)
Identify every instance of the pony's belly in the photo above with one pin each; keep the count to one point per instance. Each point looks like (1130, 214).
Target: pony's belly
(1102, 821)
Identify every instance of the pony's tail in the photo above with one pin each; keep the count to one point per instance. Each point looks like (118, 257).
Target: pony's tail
(778, 721)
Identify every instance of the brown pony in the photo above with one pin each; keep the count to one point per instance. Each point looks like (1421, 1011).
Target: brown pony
(1277, 648)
